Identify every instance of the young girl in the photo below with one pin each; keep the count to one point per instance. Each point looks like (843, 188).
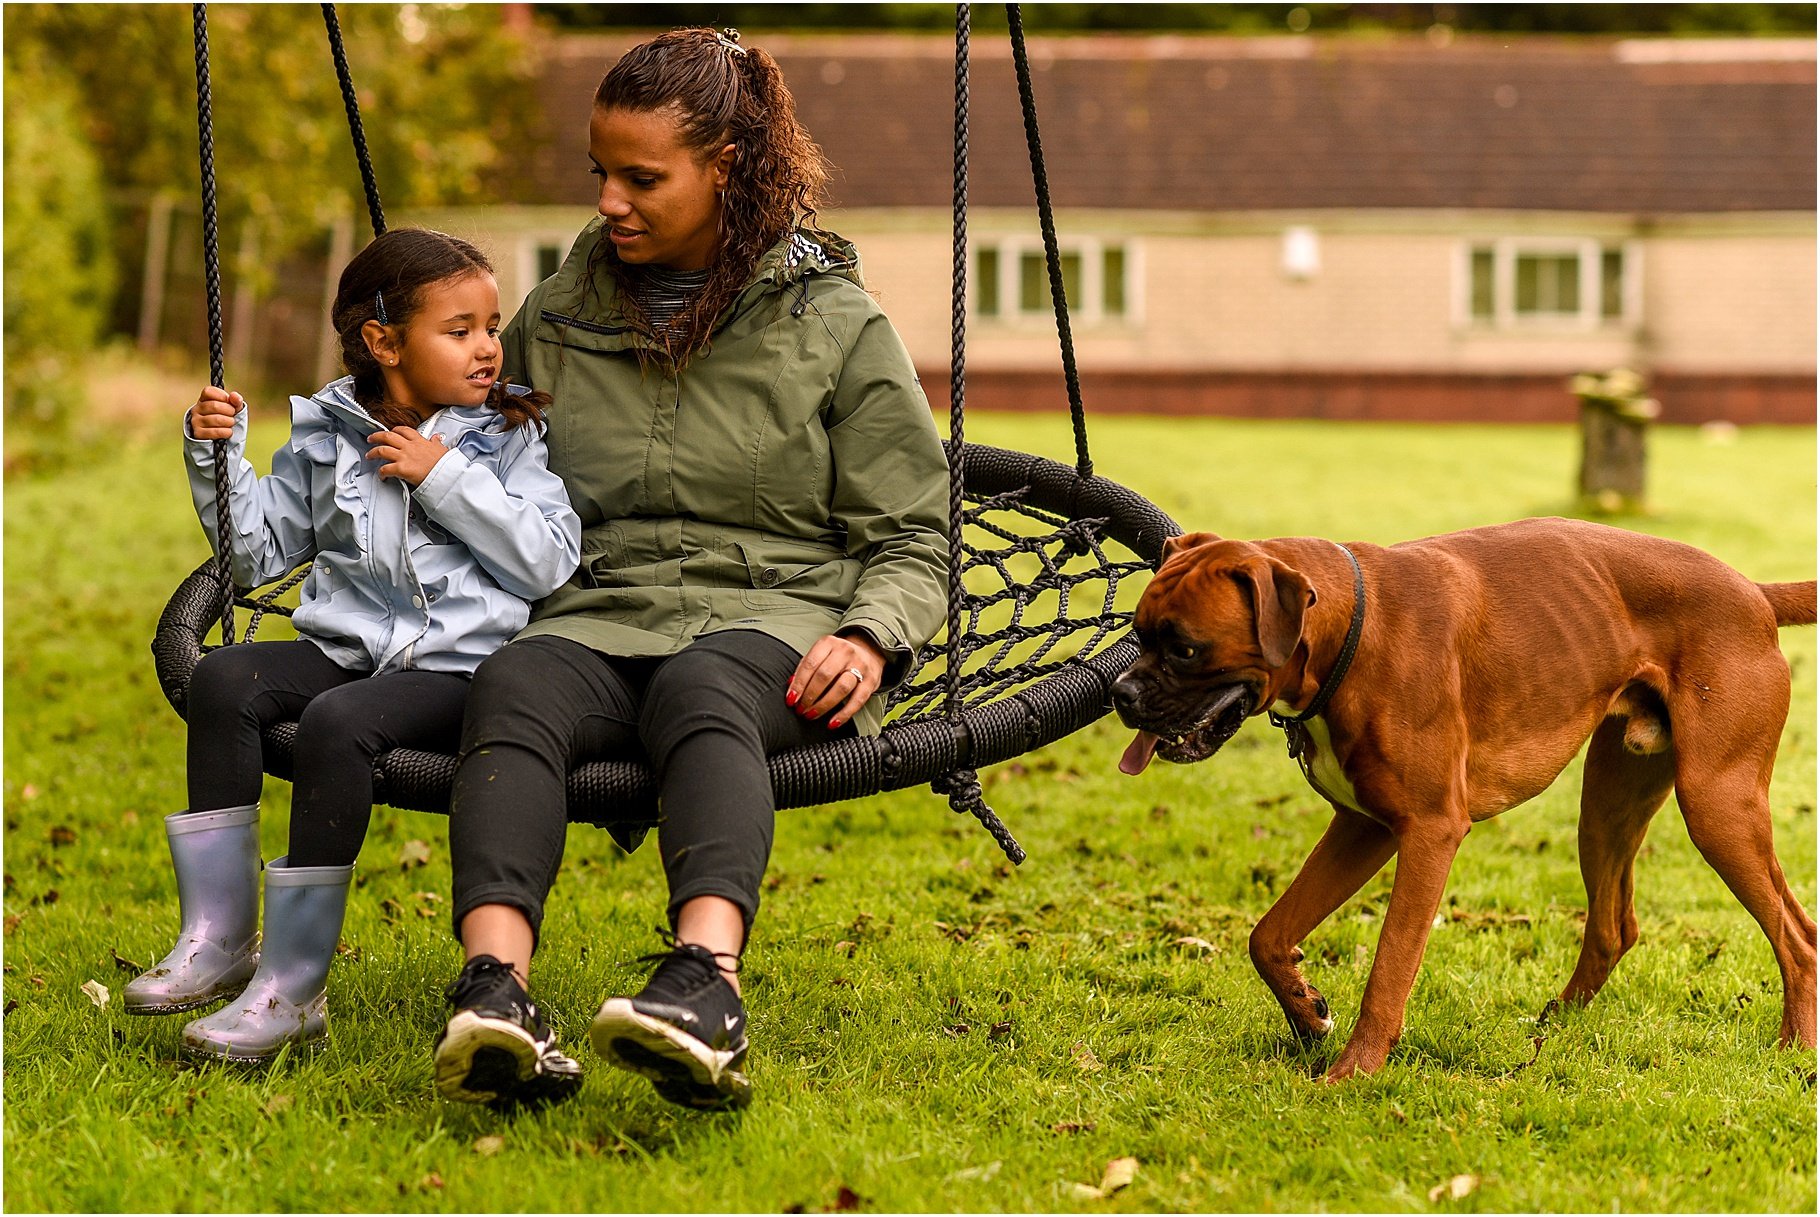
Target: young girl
(418, 484)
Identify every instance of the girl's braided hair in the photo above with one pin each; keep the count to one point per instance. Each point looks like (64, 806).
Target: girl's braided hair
(391, 274)
(723, 93)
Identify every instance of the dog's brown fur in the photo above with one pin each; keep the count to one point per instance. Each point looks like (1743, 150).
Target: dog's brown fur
(1488, 657)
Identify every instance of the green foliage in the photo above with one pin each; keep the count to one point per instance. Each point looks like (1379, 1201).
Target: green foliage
(933, 1030)
(442, 89)
(1692, 19)
(60, 269)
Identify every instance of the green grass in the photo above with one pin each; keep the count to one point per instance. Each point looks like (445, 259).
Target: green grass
(934, 1031)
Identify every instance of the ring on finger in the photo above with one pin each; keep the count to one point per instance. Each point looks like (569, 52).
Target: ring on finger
(856, 675)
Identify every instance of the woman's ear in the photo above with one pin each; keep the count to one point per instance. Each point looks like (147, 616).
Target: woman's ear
(380, 342)
(723, 165)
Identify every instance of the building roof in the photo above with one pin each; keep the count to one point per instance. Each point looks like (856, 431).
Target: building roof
(1217, 124)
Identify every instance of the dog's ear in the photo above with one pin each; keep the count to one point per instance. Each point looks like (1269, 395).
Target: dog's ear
(1280, 595)
(1188, 540)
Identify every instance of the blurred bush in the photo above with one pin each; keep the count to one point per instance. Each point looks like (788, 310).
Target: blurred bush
(60, 265)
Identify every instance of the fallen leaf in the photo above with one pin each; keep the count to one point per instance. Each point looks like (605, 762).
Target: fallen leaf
(125, 964)
(1073, 1126)
(10, 1007)
(51, 896)
(37, 982)
(845, 947)
(982, 1173)
(430, 1180)
(97, 993)
(999, 1031)
(1086, 1191)
(1084, 1059)
(956, 1029)
(1199, 944)
(1119, 1174)
(845, 1201)
(30, 792)
(278, 1103)
(62, 834)
(13, 921)
(414, 853)
(1457, 1188)
(486, 1147)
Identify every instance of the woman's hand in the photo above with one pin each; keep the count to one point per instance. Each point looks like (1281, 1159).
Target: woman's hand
(212, 417)
(840, 673)
(409, 456)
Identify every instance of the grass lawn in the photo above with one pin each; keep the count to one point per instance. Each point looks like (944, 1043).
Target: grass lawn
(933, 1030)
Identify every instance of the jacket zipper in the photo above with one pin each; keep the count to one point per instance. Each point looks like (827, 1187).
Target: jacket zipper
(578, 323)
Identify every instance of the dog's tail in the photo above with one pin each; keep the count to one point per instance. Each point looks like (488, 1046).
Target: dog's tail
(1793, 602)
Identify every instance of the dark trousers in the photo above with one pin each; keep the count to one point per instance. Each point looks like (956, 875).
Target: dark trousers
(705, 717)
(345, 720)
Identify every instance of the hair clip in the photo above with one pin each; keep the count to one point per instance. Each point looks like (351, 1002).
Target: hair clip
(379, 308)
(729, 40)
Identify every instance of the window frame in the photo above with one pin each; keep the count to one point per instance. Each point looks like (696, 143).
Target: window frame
(1084, 313)
(1589, 252)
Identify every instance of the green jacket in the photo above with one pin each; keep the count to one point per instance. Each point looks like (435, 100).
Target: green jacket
(788, 480)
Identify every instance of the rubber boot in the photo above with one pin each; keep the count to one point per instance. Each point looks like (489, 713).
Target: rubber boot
(286, 1001)
(215, 855)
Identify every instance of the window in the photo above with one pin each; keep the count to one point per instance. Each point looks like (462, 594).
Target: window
(1011, 280)
(1516, 284)
(549, 261)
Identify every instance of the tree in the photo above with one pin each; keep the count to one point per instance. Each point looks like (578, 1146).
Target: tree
(442, 90)
(60, 268)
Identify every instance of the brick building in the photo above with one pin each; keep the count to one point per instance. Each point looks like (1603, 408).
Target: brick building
(1344, 228)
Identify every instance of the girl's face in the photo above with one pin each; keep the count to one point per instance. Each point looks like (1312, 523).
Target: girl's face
(448, 353)
(661, 202)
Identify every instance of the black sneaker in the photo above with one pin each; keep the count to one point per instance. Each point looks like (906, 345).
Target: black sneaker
(686, 1030)
(496, 1049)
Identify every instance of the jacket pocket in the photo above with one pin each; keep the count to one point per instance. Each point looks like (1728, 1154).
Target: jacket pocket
(779, 574)
(603, 556)
(337, 478)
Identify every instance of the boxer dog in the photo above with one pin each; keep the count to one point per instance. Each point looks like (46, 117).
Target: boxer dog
(1436, 683)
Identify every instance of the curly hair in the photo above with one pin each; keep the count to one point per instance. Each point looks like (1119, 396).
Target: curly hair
(723, 93)
(401, 263)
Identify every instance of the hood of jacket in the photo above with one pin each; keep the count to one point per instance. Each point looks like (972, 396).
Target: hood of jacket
(785, 269)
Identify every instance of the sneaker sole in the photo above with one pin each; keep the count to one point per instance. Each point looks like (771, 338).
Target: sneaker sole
(483, 1060)
(684, 1069)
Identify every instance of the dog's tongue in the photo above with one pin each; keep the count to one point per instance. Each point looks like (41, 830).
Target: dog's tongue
(1138, 754)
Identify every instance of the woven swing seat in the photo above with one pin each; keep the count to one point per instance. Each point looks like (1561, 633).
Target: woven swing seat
(1036, 664)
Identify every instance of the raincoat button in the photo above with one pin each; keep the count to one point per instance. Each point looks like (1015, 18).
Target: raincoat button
(769, 577)
(416, 601)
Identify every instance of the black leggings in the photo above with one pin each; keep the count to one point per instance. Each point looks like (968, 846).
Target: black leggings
(706, 717)
(344, 721)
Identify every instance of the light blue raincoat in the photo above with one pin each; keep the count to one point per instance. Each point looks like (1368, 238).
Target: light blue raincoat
(435, 578)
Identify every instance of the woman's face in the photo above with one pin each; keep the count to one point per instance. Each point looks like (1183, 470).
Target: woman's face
(662, 203)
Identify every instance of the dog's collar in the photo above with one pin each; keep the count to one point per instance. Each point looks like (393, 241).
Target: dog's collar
(1292, 724)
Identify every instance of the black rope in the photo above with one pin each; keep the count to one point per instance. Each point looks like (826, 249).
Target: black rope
(211, 259)
(351, 101)
(1058, 294)
(957, 359)
(962, 786)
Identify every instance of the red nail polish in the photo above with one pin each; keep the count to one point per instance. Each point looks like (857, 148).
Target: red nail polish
(833, 724)
(790, 698)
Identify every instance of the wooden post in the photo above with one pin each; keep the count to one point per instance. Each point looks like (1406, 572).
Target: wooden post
(157, 260)
(1614, 425)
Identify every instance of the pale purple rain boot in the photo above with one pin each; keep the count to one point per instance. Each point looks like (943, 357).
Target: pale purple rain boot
(286, 1001)
(215, 855)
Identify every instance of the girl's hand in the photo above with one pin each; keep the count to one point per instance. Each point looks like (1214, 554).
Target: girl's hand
(839, 674)
(212, 417)
(409, 456)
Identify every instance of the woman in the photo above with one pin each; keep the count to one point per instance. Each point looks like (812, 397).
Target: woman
(762, 494)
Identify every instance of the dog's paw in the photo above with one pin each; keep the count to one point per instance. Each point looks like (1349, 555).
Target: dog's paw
(1311, 1019)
